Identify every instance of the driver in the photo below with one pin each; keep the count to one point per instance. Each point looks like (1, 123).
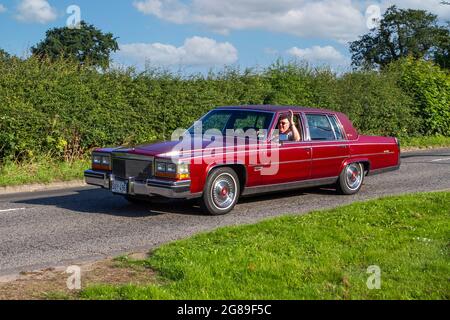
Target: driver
(287, 127)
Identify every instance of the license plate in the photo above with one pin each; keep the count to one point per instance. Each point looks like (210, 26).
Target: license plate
(119, 187)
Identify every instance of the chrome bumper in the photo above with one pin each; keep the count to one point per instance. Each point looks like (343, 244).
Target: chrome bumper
(160, 187)
(97, 178)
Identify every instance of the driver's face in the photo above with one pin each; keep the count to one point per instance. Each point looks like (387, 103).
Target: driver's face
(284, 125)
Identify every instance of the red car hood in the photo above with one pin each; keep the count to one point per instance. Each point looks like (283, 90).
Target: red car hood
(163, 149)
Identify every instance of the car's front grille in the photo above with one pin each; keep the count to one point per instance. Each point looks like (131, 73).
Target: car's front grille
(140, 170)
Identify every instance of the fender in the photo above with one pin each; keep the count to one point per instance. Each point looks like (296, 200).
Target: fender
(356, 159)
(224, 164)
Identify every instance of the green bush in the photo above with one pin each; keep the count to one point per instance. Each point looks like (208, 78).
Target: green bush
(61, 110)
(429, 86)
(376, 104)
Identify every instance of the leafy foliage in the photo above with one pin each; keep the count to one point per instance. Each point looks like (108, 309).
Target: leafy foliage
(4, 55)
(402, 33)
(430, 88)
(85, 44)
(61, 110)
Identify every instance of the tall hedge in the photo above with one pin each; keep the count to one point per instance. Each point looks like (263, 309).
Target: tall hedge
(429, 86)
(62, 110)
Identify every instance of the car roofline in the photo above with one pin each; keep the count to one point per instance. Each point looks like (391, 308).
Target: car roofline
(275, 108)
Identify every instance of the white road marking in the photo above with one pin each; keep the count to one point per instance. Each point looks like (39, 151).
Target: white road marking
(443, 159)
(8, 210)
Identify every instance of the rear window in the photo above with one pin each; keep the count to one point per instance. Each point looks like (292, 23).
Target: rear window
(320, 127)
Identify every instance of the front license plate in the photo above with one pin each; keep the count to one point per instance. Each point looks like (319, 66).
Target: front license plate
(119, 187)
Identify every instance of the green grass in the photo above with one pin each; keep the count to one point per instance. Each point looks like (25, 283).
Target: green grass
(41, 171)
(425, 142)
(322, 255)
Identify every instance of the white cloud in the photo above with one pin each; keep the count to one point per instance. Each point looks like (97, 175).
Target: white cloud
(322, 55)
(340, 20)
(195, 51)
(433, 6)
(2, 8)
(36, 11)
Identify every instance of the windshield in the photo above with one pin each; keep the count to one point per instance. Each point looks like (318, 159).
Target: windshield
(244, 120)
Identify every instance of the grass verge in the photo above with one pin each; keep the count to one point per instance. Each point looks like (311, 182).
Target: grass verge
(425, 142)
(41, 171)
(322, 255)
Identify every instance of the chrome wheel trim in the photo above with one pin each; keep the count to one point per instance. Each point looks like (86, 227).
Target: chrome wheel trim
(223, 191)
(354, 176)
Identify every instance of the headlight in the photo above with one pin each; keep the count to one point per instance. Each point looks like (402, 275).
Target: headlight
(161, 167)
(171, 170)
(101, 161)
(106, 161)
(97, 160)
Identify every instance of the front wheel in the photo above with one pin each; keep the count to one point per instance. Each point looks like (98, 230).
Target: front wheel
(221, 191)
(351, 178)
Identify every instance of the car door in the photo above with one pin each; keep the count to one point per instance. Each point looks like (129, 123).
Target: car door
(329, 149)
(292, 160)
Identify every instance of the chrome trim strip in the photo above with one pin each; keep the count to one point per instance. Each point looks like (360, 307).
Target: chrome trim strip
(304, 147)
(330, 158)
(289, 186)
(278, 163)
(373, 154)
(168, 189)
(168, 184)
(257, 148)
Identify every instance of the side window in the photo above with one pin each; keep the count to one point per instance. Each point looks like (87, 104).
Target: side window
(337, 129)
(319, 127)
(248, 121)
(283, 125)
(216, 121)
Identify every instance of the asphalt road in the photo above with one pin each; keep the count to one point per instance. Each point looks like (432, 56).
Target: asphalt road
(39, 230)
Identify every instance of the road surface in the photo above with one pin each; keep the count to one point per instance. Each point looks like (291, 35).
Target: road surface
(40, 230)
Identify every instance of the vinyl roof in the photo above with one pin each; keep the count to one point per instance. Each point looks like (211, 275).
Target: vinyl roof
(275, 108)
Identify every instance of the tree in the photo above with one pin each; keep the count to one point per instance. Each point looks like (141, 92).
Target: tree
(402, 33)
(442, 53)
(86, 44)
(4, 55)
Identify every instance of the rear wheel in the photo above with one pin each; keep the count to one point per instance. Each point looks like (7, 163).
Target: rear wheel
(351, 178)
(221, 191)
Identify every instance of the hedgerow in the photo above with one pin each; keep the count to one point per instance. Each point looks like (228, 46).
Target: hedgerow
(61, 110)
(429, 86)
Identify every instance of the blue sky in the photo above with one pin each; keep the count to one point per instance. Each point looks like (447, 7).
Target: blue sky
(202, 34)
